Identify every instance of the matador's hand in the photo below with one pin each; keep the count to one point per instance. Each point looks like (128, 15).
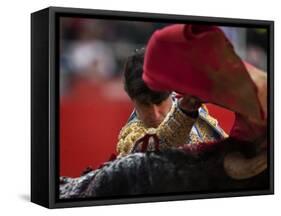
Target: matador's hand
(189, 103)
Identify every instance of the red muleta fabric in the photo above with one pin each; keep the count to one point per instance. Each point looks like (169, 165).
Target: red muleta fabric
(199, 60)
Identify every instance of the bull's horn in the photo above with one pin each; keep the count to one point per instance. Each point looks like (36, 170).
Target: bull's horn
(238, 167)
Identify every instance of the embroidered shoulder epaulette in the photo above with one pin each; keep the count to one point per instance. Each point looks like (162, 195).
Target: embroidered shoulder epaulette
(128, 135)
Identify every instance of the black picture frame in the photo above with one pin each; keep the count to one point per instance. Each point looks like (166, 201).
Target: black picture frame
(45, 103)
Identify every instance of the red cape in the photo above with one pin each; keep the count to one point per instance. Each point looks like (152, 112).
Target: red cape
(199, 60)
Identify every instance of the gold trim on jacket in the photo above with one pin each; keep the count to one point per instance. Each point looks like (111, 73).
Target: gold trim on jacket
(175, 130)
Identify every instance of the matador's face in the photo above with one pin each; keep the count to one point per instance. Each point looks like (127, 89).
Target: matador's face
(153, 114)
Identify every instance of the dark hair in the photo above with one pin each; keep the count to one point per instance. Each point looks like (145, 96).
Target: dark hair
(134, 84)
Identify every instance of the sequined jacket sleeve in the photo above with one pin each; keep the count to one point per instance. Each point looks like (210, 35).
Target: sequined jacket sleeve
(175, 128)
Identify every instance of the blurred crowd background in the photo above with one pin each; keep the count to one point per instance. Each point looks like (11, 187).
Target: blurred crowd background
(93, 104)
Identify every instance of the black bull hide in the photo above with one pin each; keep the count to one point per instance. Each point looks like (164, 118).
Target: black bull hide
(188, 170)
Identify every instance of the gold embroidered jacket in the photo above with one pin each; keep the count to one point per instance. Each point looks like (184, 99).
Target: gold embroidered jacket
(176, 129)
